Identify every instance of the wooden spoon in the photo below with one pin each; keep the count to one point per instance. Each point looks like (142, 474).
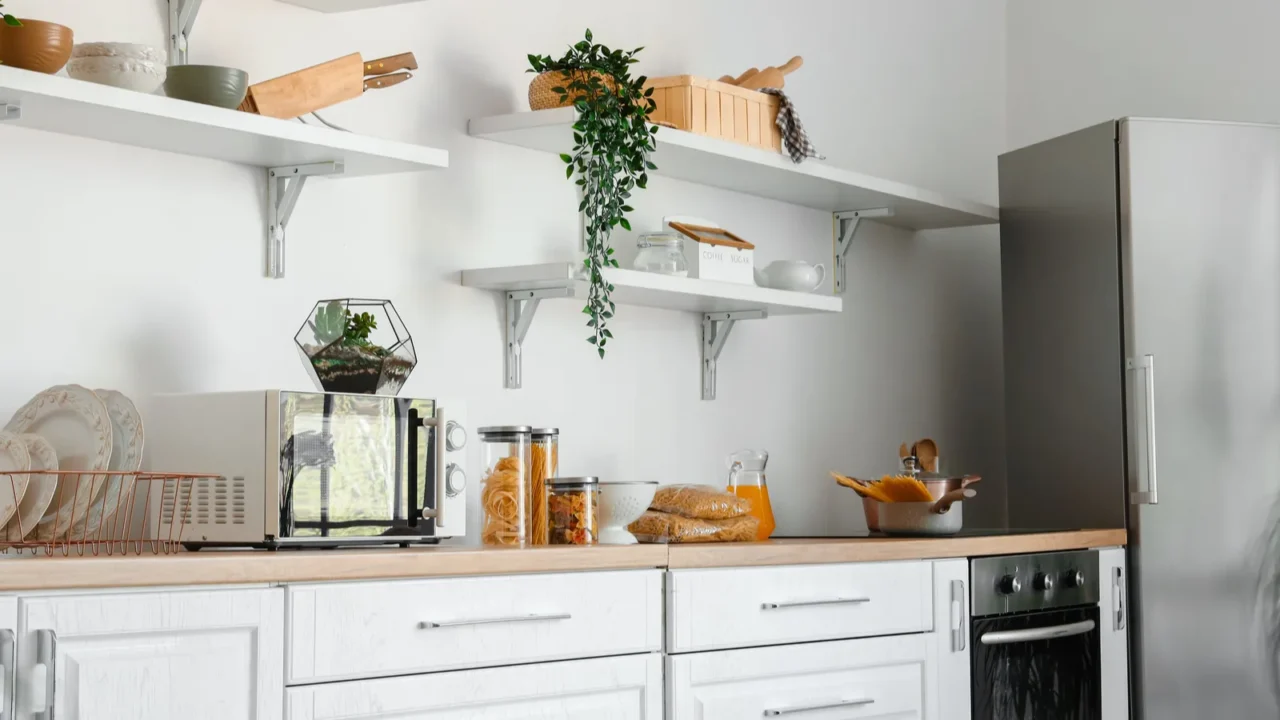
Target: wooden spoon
(927, 452)
(740, 79)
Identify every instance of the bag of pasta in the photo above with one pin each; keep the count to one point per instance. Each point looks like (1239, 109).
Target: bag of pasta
(700, 502)
(661, 527)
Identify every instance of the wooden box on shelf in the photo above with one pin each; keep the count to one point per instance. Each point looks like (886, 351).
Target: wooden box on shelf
(716, 109)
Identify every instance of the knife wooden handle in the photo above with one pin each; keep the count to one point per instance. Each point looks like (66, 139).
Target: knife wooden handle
(382, 66)
(385, 81)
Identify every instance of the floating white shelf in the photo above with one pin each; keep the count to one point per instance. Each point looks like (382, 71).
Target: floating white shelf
(633, 287)
(72, 107)
(337, 6)
(721, 304)
(732, 166)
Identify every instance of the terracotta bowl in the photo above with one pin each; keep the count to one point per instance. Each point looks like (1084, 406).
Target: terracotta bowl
(37, 45)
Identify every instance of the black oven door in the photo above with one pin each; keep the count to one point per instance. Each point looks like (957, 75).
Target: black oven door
(355, 469)
(1037, 666)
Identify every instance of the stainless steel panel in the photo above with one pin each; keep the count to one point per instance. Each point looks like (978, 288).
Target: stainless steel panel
(1068, 589)
(1201, 244)
(1064, 364)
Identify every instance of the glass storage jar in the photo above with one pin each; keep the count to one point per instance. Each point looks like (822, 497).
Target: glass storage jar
(574, 508)
(504, 492)
(544, 464)
(661, 253)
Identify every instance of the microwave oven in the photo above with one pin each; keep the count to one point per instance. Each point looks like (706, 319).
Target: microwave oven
(307, 469)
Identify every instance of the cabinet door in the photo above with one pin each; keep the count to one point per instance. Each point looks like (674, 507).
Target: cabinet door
(889, 677)
(1113, 612)
(215, 655)
(8, 656)
(619, 688)
(951, 634)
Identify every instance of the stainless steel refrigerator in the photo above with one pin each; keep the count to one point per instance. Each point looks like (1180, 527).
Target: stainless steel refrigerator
(1141, 293)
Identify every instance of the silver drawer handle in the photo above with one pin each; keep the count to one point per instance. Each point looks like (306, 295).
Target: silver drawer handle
(814, 708)
(814, 603)
(428, 625)
(1005, 637)
(47, 658)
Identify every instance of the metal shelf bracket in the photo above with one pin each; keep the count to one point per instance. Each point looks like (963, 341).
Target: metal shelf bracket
(284, 185)
(521, 307)
(182, 17)
(715, 332)
(10, 111)
(846, 227)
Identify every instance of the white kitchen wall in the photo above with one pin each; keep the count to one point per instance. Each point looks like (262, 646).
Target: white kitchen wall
(143, 271)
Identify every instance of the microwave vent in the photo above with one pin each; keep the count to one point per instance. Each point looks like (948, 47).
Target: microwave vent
(209, 501)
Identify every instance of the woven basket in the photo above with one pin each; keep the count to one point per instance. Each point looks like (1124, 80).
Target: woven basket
(541, 97)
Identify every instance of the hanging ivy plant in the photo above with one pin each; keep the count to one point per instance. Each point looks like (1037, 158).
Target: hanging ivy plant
(612, 140)
(8, 19)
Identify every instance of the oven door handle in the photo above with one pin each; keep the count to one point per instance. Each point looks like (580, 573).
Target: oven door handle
(1053, 632)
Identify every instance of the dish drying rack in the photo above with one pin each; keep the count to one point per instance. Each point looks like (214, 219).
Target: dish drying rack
(100, 513)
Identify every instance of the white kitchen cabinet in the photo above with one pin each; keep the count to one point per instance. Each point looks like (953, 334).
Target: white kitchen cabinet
(1113, 612)
(619, 688)
(951, 635)
(8, 655)
(889, 677)
(178, 655)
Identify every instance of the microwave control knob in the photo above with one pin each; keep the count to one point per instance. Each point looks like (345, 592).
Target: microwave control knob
(1042, 582)
(455, 480)
(1009, 585)
(455, 436)
(1073, 579)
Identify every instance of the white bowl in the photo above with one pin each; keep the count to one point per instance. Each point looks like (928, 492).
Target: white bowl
(132, 51)
(141, 76)
(622, 503)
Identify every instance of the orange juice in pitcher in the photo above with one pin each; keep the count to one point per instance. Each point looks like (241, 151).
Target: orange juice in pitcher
(746, 480)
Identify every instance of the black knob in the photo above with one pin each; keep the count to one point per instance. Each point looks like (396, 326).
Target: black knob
(1073, 578)
(1042, 582)
(1009, 585)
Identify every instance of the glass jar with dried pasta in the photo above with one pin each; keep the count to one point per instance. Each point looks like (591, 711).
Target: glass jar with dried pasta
(504, 491)
(574, 508)
(545, 463)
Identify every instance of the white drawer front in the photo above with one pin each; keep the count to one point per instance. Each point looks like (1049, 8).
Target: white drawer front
(747, 607)
(622, 688)
(874, 678)
(358, 630)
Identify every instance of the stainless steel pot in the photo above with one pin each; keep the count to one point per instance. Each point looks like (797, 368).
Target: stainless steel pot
(937, 485)
(945, 516)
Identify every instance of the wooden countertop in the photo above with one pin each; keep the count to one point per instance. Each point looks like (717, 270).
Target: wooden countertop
(256, 567)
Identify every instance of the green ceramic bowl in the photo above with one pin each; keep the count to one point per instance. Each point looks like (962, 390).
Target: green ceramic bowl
(222, 87)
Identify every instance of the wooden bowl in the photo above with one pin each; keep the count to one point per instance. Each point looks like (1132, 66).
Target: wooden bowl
(37, 45)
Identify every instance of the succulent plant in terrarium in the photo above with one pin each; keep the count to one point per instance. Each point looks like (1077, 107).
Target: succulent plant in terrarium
(349, 351)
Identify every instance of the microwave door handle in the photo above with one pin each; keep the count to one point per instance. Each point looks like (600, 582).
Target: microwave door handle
(441, 430)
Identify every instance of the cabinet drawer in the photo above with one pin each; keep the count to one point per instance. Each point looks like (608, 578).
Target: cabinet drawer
(873, 678)
(356, 630)
(747, 607)
(621, 688)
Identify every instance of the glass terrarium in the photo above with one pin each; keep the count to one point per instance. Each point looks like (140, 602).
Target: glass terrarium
(357, 346)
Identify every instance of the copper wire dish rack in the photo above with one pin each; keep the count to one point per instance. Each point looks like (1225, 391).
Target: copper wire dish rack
(100, 513)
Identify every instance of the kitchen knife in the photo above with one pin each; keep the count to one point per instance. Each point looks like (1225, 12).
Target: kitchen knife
(382, 66)
(385, 81)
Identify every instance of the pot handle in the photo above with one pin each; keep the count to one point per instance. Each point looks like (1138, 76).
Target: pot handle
(822, 276)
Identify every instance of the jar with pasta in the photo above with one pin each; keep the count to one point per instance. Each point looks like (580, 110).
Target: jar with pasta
(545, 464)
(574, 508)
(504, 491)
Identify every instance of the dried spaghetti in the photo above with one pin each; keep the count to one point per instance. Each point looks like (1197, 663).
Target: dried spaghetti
(503, 502)
(545, 461)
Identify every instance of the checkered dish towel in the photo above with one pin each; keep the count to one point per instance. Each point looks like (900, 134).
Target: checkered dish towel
(794, 137)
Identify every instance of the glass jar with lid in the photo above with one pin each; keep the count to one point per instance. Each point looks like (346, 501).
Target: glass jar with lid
(573, 504)
(662, 253)
(544, 464)
(504, 492)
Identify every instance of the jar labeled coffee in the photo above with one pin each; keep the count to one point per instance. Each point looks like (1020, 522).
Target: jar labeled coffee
(574, 507)
(504, 493)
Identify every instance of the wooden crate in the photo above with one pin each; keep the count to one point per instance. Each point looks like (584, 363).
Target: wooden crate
(716, 109)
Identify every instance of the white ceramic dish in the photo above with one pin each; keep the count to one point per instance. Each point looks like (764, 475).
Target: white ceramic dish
(793, 275)
(76, 423)
(622, 503)
(142, 76)
(15, 461)
(126, 457)
(40, 490)
(132, 51)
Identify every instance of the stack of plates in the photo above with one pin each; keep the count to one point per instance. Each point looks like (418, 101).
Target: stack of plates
(97, 433)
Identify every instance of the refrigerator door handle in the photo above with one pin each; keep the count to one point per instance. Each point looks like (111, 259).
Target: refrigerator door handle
(1150, 496)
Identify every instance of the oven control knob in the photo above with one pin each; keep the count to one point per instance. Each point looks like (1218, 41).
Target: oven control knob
(455, 436)
(1009, 585)
(1042, 582)
(1073, 578)
(455, 480)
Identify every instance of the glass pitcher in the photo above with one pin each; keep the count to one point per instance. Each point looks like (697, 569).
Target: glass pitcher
(746, 480)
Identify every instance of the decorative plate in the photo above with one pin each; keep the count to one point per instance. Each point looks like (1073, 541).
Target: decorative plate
(126, 457)
(14, 464)
(77, 425)
(40, 490)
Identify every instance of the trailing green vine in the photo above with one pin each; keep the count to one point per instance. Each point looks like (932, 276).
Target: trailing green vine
(8, 19)
(612, 140)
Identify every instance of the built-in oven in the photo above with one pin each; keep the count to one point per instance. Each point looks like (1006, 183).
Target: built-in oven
(1035, 637)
